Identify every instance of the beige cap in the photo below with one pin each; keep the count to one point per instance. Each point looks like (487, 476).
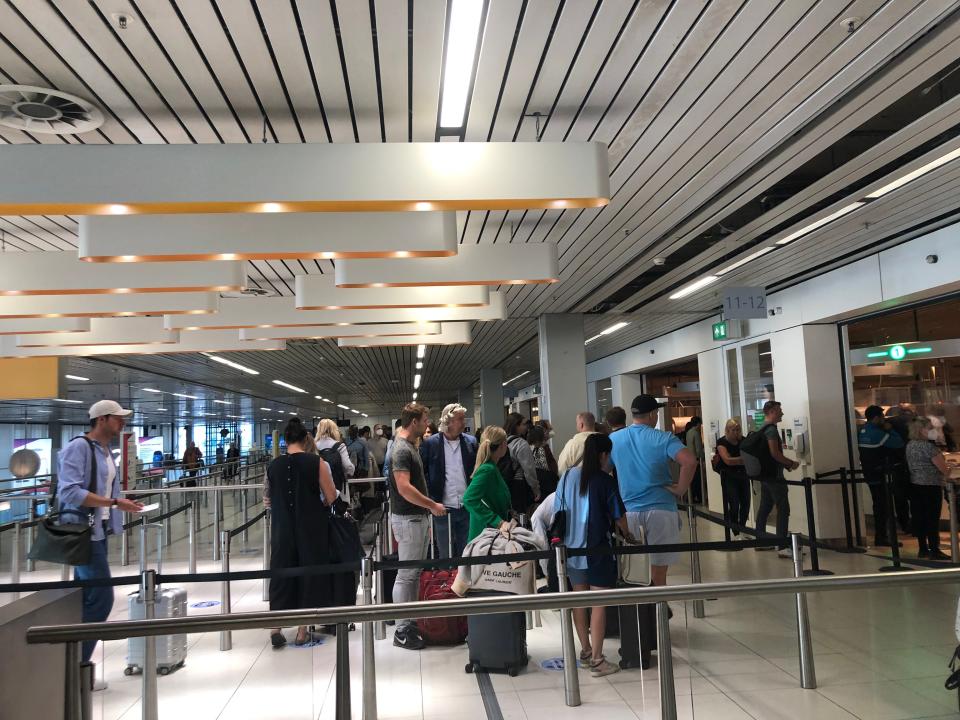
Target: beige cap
(108, 407)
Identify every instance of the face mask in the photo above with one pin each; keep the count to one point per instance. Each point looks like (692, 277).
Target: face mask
(551, 433)
(932, 435)
(379, 432)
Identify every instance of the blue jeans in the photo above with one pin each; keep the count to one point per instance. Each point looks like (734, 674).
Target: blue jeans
(460, 522)
(97, 601)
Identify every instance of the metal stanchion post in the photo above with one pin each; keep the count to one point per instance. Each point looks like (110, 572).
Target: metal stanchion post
(245, 514)
(891, 525)
(217, 516)
(952, 503)
(694, 559)
(15, 559)
(380, 627)
(571, 681)
(165, 508)
(343, 673)
(86, 690)
(812, 528)
(148, 700)
(668, 691)
(192, 537)
(72, 704)
(31, 531)
(847, 526)
(143, 543)
(808, 675)
(369, 708)
(266, 555)
(226, 636)
(855, 495)
(124, 546)
(64, 572)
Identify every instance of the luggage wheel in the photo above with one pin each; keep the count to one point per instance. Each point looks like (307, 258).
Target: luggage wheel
(164, 670)
(513, 671)
(130, 670)
(470, 668)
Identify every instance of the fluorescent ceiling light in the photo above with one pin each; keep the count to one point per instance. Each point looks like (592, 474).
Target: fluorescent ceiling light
(364, 414)
(743, 261)
(612, 329)
(235, 366)
(463, 39)
(525, 372)
(161, 409)
(151, 390)
(291, 413)
(914, 174)
(29, 326)
(416, 381)
(61, 273)
(820, 223)
(694, 286)
(318, 292)
(485, 264)
(450, 334)
(64, 400)
(227, 178)
(77, 377)
(342, 407)
(222, 402)
(326, 400)
(419, 366)
(355, 412)
(184, 395)
(267, 409)
(287, 385)
(421, 350)
(414, 396)
(225, 236)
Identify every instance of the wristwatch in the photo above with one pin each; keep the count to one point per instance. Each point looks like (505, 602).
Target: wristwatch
(114, 503)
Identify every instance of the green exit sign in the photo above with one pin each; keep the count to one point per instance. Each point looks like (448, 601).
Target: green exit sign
(720, 331)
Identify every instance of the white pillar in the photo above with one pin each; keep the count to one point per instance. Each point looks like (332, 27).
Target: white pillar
(465, 398)
(625, 389)
(491, 397)
(563, 373)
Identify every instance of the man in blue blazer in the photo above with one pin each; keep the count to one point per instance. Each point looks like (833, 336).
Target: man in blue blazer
(448, 460)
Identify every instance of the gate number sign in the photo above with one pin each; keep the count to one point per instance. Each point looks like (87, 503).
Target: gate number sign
(744, 303)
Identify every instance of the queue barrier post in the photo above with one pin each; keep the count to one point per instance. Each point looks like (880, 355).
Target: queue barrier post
(571, 681)
(812, 529)
(808, 675)
(369, 709)
(668, 691)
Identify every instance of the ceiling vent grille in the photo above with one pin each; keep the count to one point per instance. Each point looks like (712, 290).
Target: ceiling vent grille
(41, 110)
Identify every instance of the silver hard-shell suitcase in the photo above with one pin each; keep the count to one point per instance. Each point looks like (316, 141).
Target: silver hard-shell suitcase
(171, 649)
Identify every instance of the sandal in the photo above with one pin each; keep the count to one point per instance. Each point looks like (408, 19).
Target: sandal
(600, 667)
(278, 640)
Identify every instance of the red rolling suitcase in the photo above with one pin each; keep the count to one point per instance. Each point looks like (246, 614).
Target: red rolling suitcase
(438, 585)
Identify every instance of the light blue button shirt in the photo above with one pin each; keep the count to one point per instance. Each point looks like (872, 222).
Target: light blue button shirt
(74, 479)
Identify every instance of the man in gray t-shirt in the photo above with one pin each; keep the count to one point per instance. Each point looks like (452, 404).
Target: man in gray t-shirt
(410, 508)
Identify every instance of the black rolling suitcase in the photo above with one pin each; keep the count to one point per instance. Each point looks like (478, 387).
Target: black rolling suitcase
(496, 642)
(637, 628)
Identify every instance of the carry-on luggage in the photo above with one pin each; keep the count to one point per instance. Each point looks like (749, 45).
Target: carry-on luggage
(496, 642)
(171, 649)
(636, 625)
(438, 585)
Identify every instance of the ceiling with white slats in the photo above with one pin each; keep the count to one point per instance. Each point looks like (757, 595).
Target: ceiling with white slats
(726, 121)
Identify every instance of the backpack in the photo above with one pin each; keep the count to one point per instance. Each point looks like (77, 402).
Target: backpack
(755, 451)
(521, 496)
(333, 459)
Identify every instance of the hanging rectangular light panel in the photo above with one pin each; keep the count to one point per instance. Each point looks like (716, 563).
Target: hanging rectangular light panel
(268, 236)
(277, 177)
(213, 341)
(81, 306)
(29, 326)
(274, 312)
(108, 331)
(62, 273)
(450, 334)
(317, 292)
(497, 264)
(317, 332)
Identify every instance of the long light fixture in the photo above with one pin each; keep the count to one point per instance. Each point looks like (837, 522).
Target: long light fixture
(108, 331)
(152, 390)
(914, 174)
(450, 334)
(284, 236)
(64, 400)
(278, 177)
(184, 395)
(287, 385)
(821, 222)
(313, 332)
(234, 365)
(222, 402)
(77, 377)
(60, 273)
(525, 372)
(414, 396)
(213, 341)
(612, 329)
(743, 261)
(416, 381)
(421, 350)
(459, 59)
(342, 407)
(78, 306)
(498, 264)
(694, 286)
(274, 312)
(318, 292)
(29, 326)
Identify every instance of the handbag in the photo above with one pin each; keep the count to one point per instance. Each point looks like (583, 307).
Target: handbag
(67, 543)
(343, 538)
(558, 528)
(634, 569)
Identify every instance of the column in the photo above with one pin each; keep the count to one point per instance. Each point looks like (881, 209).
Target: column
(465, 398)
(563, 373)
(491, 397)
(625, 389)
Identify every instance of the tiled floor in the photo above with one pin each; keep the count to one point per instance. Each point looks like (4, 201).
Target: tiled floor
(879, 656)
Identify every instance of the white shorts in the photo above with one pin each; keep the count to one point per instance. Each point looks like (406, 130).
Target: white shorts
(660, 527)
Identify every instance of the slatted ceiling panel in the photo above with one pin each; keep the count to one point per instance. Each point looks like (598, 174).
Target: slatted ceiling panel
(36, 234)
(321, 41)
(429, 17)
(356, 36)
(391, 40)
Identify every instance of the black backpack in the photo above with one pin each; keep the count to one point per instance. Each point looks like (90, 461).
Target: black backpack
(521, 496)
(755, 451)
(332, 456)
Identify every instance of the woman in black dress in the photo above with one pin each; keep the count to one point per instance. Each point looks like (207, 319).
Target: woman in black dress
(733, 477)
(299, 490)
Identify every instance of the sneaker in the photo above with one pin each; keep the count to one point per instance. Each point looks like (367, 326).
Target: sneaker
(408, 638)
(938, 555)
(600, 668)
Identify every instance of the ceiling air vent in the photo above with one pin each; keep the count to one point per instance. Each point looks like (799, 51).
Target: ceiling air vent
(41, 110)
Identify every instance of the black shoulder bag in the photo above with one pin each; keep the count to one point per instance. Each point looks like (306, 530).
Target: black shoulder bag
(67, 543)
(558, 528)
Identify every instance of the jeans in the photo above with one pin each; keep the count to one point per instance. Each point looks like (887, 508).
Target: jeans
(411, 534)
(97, 601)
(927, 507)
(736, 500)
(774, 494)
(459, 520)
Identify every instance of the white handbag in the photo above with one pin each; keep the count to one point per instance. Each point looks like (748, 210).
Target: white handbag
(634, 569)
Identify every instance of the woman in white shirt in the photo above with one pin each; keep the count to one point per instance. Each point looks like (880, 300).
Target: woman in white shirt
(328, 436)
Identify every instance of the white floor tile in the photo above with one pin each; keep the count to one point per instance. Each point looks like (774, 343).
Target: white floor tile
(791, 704)
(882, 701)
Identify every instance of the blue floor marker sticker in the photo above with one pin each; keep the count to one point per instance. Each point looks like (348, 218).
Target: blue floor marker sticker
(553, 664)
(205, 604)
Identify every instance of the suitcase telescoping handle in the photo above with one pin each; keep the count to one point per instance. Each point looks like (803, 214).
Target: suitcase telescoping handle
(433, 536)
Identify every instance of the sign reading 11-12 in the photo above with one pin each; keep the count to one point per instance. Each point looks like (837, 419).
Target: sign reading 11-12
(744, 303)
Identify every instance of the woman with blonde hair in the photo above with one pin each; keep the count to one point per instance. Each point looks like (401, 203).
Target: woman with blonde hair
(928, 472)
(487, 498)
(331, 448)
(733, 477)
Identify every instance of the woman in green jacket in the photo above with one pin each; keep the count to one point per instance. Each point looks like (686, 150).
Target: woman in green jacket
(487, 498)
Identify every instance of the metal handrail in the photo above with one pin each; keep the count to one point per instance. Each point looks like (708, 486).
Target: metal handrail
(119, 630)
(198, 488)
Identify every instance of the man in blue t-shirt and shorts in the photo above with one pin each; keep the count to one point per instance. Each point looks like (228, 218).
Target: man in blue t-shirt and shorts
(642, 455)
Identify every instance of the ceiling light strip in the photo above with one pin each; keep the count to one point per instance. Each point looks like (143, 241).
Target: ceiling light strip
(287, 385)
(318, 292)
(234, 365)
(513, 379)
(612, 329)
(459, 60)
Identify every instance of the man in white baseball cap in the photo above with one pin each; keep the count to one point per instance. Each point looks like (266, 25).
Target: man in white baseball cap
(88, 486)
